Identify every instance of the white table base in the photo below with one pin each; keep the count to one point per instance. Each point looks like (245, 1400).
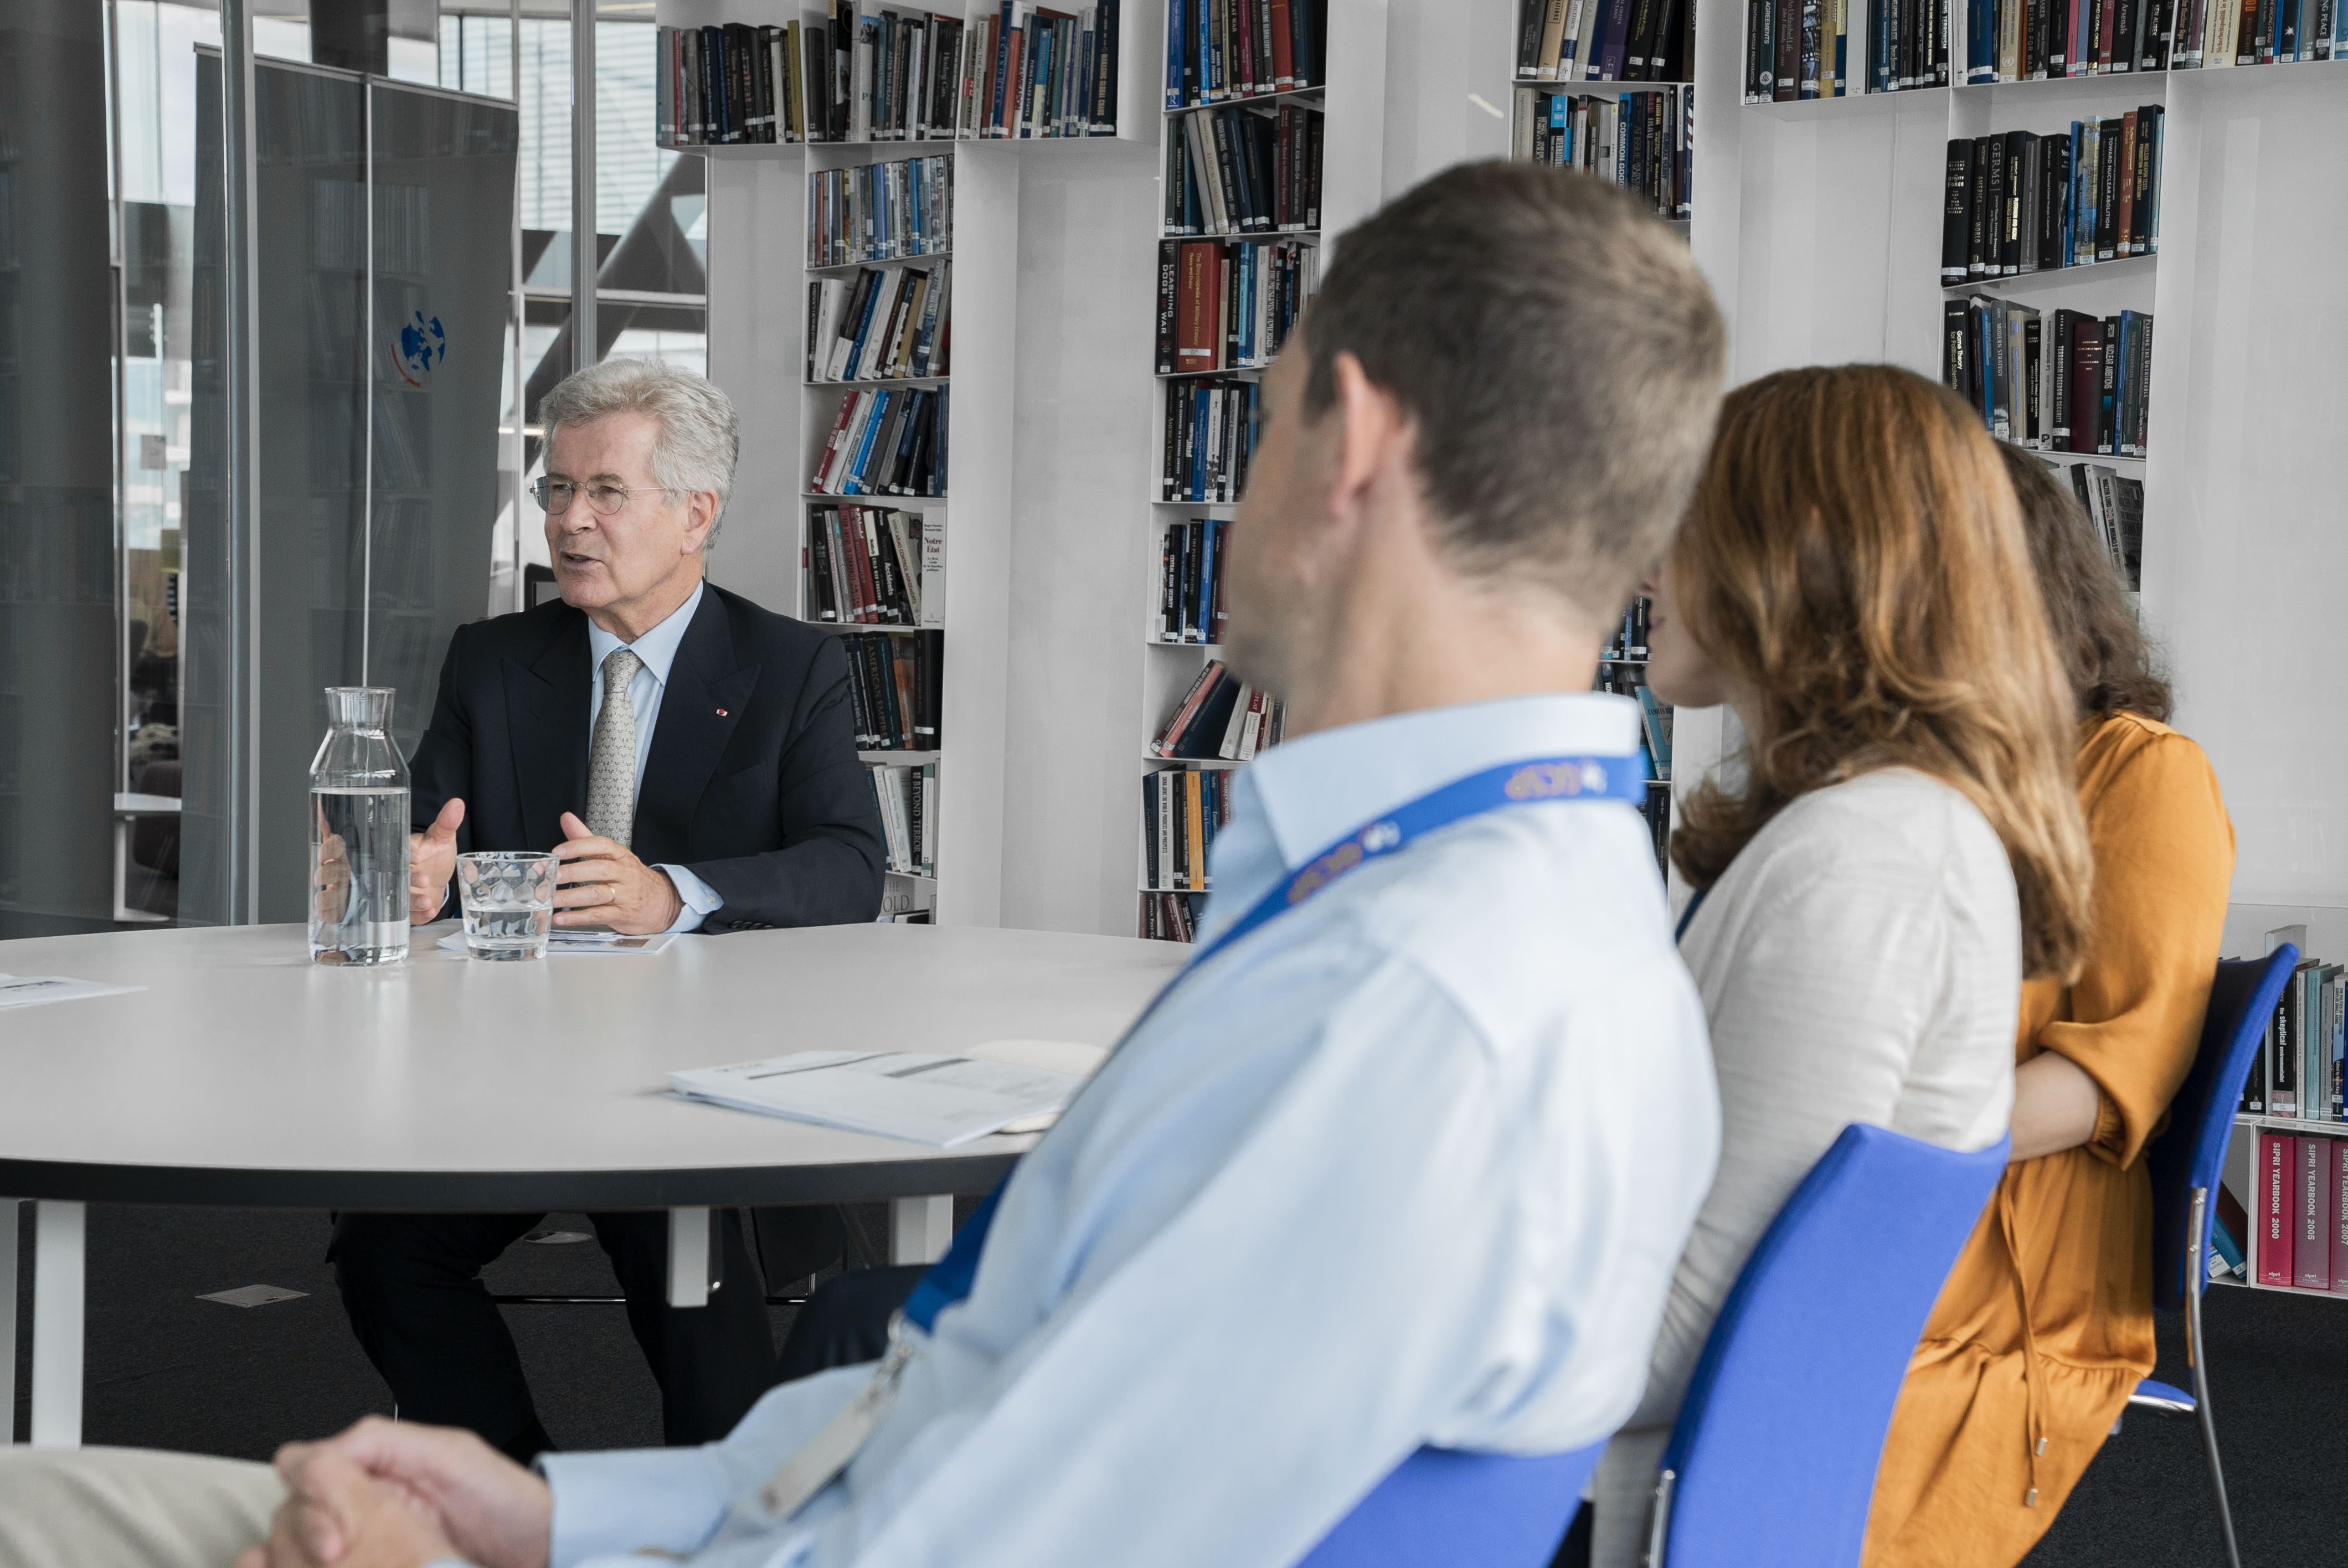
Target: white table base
(60, 1230)
(920, 1229)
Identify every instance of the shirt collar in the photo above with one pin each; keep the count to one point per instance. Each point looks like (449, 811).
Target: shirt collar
(657, 648)
(1316, 788)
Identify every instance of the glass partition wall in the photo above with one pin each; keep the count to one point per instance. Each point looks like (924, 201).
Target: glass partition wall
(163, 634)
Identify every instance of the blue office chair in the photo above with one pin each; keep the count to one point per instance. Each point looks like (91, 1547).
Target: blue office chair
(1772, 1461)
(2186, 1161)
(1442, 1508)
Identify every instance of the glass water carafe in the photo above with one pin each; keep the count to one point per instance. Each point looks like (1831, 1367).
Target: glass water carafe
(358, 833)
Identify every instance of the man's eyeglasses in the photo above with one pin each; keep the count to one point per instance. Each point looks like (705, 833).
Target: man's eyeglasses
(554, 495)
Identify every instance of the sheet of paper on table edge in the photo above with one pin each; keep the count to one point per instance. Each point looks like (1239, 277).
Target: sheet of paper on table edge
(616, 947)
(1071, 1059)
(17, 990)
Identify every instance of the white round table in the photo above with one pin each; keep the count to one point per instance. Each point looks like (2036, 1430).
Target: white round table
(243, 1075)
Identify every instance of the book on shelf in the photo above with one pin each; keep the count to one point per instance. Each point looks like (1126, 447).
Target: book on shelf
(1628, 642)
(2115, 507)
(1221, 716)
(1229, 305)
(858, 72)
(2021, 203)
(1655, 732)
(892, 442)
(874, 565)
(2302, 1227)
(1171, 917)
(1642, 140)
(885, 324)
(1605, 41)
(1797, 49)
(1209, 434)
(2299, 1072)
(907, 797)
(880, 212)
(901, 906)
(2053, 381)
(2036, 40)
(1182, 809)
(1622, 671)
(895, 685)
(1217, 50)
(1250, 169)
(2039, 40)
(1190, 606)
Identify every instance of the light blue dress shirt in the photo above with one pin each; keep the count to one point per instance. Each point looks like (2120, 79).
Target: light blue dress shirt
(657, 649)
(1411, 1164)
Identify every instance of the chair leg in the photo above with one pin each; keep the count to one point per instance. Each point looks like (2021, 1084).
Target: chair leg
(2196, 1282)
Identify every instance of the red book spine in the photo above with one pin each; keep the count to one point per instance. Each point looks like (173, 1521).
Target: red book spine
(2278, 1197)
(2311, 1247)
(831, 443)
(851, 525)
(1283, 67)
(1243, 36)
(2338, 1183)
(1197, 333)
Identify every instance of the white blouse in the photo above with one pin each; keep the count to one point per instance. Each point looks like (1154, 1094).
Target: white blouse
(1860, 960)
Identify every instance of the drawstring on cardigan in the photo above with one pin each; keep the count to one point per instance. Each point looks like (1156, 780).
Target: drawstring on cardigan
(2035, 1429)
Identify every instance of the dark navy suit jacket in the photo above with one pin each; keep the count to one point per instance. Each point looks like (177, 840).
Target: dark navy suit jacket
(753, 782)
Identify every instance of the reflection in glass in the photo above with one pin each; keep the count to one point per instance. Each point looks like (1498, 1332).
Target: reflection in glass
(58, 647)
(384, 304)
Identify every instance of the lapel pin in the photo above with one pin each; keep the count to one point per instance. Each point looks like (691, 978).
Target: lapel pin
(721, 713)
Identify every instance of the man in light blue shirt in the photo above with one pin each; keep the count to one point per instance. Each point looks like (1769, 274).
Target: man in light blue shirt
(1407, 1164)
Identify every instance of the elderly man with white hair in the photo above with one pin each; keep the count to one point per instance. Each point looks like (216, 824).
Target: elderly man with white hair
(691, 758)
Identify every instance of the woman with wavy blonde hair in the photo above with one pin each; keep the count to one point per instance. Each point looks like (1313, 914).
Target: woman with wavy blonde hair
(1904, 844)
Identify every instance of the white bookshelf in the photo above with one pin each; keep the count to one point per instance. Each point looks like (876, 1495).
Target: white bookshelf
(757, 275)
(1352, 107)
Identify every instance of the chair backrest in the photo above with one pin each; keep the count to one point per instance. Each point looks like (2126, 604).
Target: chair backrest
(1445, 1508)
(2190, 1152)
(1774, 1452)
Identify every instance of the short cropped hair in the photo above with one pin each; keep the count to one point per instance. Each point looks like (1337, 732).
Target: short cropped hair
(699, 436)
(1560, 355)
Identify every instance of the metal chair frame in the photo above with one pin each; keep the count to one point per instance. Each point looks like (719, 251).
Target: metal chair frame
(2225, 1088)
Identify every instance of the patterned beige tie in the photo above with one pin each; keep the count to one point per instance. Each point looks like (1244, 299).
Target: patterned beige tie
(612, 759)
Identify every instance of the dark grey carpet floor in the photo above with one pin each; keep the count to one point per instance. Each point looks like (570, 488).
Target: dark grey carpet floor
(166, 1369)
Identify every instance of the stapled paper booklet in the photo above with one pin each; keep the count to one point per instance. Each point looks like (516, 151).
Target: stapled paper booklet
(32, 990)
(937, 1100)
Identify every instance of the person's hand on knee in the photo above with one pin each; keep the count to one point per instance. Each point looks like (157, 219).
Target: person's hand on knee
(336, 1516)
(494, 1511)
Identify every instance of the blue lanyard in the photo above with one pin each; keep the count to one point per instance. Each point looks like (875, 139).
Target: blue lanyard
(1688, 914)
(1529, 783)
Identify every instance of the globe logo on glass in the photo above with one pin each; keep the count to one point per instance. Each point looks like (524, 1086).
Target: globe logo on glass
(422, 345)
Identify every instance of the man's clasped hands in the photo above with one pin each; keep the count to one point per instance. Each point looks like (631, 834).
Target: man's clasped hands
(393, 1494)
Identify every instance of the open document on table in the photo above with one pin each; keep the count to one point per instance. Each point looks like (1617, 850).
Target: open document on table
(939, 1100)
(32, 990)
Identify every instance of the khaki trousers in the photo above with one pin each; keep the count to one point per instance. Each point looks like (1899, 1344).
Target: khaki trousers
(131, 1508)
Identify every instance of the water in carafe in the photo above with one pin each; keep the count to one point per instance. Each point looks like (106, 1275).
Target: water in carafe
(358, 833)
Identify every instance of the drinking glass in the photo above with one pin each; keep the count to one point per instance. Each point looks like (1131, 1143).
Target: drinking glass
(509, 897)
